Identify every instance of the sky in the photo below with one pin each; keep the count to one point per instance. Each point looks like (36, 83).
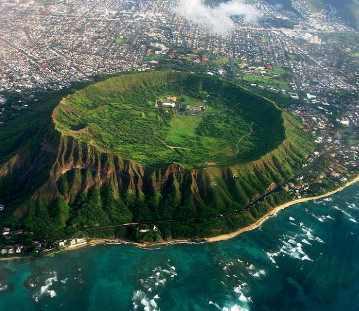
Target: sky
(216, 19)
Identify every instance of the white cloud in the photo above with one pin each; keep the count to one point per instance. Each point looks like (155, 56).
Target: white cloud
(216, 19)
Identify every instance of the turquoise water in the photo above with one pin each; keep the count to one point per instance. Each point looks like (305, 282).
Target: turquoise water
(306, 258)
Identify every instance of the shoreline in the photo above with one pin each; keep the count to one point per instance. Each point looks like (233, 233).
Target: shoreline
(231, 235)
(214, 239)
(276, 210)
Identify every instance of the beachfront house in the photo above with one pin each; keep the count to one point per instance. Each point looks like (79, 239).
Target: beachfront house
(5, 231)
(77, 242)
(62, 243)
(18, 249)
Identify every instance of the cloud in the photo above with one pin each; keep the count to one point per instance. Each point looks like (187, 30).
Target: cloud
(216, 19)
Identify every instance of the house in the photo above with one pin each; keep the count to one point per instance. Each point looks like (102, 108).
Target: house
(172, 98)
(2, 207)
(75, 242)
(345, 122)
(37, 244)
(61, 243)
(168, 105)
(5, 231)
(18, 249)
(204, 59)
(81, 241)
(171, 104)
(154, 62)
(196, 110)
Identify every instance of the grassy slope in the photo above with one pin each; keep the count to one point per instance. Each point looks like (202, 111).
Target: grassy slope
(118, 115)
(91, 198)
(196, 203)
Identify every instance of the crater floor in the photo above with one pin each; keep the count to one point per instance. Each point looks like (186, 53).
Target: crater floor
(164, 117)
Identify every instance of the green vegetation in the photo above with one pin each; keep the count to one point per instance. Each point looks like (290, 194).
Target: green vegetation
(119, 115)
(121, 40)
(278, 78)
(109, 157)
(154, 57)
(220, 61)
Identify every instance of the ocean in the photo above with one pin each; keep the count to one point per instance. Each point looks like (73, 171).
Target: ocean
(305, 258)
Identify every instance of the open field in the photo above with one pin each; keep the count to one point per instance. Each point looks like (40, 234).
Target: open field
(277, 77)
(120, 40)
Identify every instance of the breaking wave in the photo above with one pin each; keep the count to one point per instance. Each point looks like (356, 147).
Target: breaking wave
(348, 215)
(293, 245)
(146, 297)
(46, 289)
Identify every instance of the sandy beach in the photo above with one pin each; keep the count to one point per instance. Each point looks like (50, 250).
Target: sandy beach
(275, 211)
(218, 238)
(231, 235)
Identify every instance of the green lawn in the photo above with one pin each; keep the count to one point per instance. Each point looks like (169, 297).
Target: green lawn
(121, 40)
(181, 128)
(277, 77)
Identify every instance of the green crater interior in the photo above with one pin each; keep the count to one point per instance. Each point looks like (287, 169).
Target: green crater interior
(214, 122)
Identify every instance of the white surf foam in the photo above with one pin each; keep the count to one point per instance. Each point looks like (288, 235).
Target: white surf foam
(46, 290)
(234, 308)
(140, 299)
(328, 199)
(322, 218)
(146, 297)
(352, 206)
(3, 287)
(242, 292)
(294, 245)
(348, 215)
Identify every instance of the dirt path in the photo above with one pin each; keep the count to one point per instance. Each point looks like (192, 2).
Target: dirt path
(173, 148)
(244, 136)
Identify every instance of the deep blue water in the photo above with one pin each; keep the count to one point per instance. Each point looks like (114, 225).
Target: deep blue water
(306, 258)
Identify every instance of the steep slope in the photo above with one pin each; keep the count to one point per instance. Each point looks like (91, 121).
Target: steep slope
(63, 183)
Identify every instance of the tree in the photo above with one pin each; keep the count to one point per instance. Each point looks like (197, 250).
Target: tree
(61, 212)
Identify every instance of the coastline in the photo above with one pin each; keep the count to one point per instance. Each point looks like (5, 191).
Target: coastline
(276, 210)
(231, 235)
(214, 239)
